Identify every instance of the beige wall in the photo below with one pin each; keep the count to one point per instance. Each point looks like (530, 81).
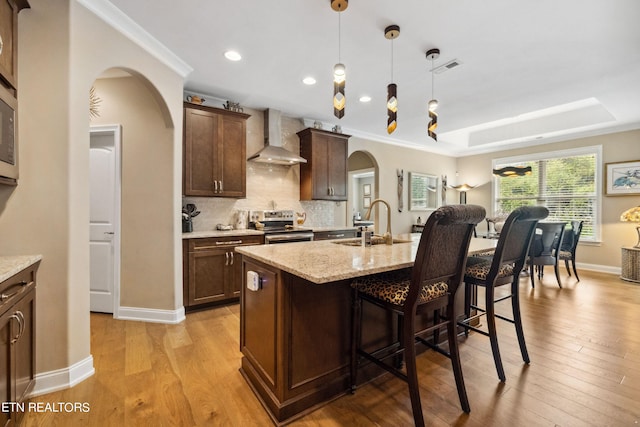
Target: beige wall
(390, 158)
(625, 146)
(147, 156)
(63, 48)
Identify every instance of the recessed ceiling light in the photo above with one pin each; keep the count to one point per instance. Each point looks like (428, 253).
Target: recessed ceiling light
(232, 55)
(365, 98)
(309, 80)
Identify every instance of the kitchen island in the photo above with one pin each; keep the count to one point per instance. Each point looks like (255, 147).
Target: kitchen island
(295, 325)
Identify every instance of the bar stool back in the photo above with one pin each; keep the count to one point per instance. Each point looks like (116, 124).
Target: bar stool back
(502, 268)
(430, 285)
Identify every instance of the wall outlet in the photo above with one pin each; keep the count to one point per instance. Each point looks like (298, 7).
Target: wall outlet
(253, 281)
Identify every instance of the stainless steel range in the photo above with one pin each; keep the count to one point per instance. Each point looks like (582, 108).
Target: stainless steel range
(278, 226)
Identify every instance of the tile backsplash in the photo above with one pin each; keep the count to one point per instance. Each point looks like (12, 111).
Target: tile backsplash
(268, 186)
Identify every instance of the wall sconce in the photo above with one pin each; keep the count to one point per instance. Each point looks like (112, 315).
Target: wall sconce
(632, 215)
(509, 171)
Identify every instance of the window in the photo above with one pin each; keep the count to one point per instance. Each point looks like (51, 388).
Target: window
(566, 182)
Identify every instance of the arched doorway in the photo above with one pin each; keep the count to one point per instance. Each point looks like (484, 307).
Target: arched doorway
(363, 186)
(129, 101)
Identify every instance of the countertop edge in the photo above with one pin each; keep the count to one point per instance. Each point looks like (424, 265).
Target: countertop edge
(12, 265)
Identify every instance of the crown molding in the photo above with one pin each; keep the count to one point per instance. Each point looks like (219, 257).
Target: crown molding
(117, 19)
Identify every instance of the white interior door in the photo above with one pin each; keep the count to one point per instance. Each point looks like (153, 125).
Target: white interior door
(104, 245)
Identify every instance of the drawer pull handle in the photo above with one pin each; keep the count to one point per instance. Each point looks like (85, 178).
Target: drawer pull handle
(230, 242)
(4, 296)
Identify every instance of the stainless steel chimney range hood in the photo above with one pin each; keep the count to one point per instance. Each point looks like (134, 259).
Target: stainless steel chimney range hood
(273, 152)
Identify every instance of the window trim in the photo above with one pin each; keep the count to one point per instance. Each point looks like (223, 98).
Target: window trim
(571, 152)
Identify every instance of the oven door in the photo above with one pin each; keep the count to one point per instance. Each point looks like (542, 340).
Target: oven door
(270, 239)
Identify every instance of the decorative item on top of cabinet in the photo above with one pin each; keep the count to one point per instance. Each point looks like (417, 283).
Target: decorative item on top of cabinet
(17, 340)
(214, 152)
(324, 176)
(212, 271)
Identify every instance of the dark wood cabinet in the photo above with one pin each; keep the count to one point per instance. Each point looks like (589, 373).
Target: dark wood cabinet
(212, 269)
(214, 152)
(17, 340)
(324, 176)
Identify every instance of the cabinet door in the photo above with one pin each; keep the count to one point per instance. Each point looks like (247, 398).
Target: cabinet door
(208, 275)
(8, 34)
(337, 168)
(200, 130)
(6, 381)
(24, 347)
(321, 165)
(231, 165)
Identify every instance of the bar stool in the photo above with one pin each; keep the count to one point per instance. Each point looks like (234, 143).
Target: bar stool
(430, 285)
(503, 268)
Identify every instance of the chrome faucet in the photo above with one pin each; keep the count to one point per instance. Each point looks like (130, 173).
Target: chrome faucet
(387, 237)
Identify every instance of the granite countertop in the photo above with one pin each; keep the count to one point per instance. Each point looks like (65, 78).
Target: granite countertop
(11, 265)
(251, 232)
(218, 233)
(325, 261)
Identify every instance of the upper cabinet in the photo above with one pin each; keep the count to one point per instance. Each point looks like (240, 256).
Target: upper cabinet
(214, 152)
(324, 176)
(9, 42)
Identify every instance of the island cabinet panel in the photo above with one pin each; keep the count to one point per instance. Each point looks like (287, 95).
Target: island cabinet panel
(295, 340)
(258, 332)
(214, 152)
(324, 176)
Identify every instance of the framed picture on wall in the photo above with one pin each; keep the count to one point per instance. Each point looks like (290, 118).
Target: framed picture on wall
(622, 178)
(366, 202)
(366, 190)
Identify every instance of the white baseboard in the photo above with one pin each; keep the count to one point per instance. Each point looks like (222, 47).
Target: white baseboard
(599, 268)
(61, 379)
(151, 315)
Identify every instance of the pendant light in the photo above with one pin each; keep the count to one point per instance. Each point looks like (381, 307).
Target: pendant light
(433, 54)
(392, 32)
(339, 71)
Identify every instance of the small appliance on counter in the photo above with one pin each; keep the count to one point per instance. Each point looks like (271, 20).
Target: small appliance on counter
(189, 211)
(242, 219)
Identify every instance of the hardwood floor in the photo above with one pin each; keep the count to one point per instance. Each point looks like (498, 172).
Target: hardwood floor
(583, 340)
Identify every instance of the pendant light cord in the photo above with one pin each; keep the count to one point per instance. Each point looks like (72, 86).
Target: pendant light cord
(391, 60)
(339, 39)
(432, 79)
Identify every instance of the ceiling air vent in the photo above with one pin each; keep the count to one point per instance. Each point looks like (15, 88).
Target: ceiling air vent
(446, 67)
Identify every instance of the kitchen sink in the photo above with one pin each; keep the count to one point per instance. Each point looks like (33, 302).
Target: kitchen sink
(374, 241)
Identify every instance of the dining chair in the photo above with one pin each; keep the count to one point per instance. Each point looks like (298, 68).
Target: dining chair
(503, 268)
(545, 250)
(569, 246)
(429, 286)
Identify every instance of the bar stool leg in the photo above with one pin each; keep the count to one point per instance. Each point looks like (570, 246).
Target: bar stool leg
(493, 333)
(412, 373)
(452, 330)
(517, 319)
(356, 336)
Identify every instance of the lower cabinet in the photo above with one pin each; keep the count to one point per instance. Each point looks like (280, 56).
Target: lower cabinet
(213, 270)
(17, 341)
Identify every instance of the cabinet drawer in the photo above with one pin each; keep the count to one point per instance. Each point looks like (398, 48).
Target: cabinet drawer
(17, 285)
(210, 243)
